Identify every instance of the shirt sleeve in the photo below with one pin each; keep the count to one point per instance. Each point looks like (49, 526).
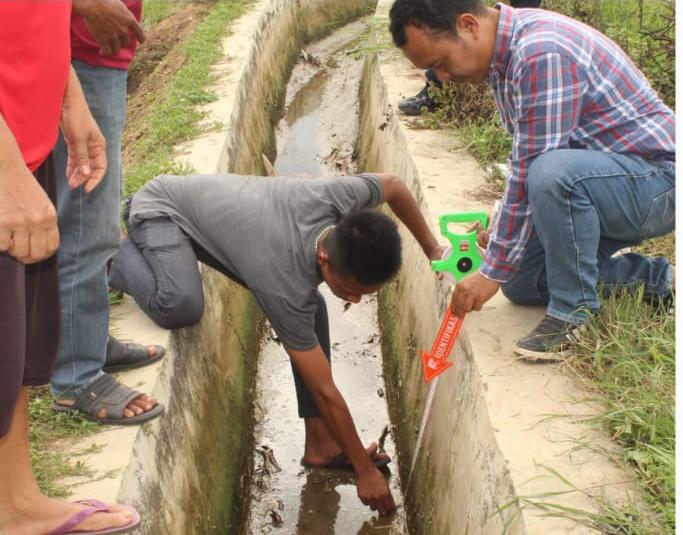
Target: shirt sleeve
(351, 193)
(547, 92)
(293, 323)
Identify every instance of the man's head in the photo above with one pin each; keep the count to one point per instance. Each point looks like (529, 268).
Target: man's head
(360, 254)
(454, 38)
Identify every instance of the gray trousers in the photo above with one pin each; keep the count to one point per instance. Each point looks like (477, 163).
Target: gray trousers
(157, 266)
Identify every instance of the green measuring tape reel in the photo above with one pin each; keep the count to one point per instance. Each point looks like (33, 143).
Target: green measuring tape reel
(463, 256)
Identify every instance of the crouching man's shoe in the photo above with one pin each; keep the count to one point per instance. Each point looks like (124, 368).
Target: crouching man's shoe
(414, 105)
(547, 341)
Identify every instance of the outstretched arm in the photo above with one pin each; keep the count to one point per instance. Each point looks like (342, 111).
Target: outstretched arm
(316, 372)
(402, 203)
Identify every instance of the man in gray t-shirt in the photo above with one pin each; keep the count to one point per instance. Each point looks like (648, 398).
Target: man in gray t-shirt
(279, 237)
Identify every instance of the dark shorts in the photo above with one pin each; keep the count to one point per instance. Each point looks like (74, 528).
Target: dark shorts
(29, 319)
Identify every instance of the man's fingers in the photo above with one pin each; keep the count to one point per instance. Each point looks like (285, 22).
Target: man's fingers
(19, 244)
(5, 237)
(52, 236)
(137, 30)
(468, 303)
(37, 246)
(372, 449)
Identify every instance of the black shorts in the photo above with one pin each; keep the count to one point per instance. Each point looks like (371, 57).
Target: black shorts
(29, 318)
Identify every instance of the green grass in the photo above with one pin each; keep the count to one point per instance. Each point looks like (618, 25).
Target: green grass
(154, 11)
(47, 427)
(177, 118)
(627, 353)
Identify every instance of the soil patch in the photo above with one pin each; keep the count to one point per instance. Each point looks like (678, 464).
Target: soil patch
(156, 63)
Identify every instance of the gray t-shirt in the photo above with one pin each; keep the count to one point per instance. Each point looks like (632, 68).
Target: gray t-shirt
(263, 230)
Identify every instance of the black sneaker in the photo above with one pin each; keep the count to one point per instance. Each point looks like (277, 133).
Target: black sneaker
(414, 105)
(546, 341)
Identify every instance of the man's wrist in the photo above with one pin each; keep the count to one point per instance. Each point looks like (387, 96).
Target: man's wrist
(84, 7)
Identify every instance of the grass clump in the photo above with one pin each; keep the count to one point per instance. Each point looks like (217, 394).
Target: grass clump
(627, 352)
(46, 427)
(177, 118)
(154, 11)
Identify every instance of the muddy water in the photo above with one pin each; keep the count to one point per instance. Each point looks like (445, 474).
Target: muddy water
(317, 137)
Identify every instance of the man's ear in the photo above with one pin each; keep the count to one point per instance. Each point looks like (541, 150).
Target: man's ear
(468, 23)
(322, 257)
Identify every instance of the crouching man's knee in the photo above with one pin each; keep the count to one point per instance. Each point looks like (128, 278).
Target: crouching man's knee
(179, 311)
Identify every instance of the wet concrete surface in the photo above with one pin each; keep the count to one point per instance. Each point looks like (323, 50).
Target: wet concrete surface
(317, 137)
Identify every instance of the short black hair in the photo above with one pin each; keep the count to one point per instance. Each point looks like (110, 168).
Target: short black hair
(525, 3)
(437, 15)
(366, 246)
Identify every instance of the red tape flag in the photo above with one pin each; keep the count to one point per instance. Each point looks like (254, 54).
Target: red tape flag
(436, 361)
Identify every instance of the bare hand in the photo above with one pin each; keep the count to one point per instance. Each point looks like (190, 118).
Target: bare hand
(471, 293)
(28, 220)
(482, 235)
(373, 491)
(86, 147)
(111, 23)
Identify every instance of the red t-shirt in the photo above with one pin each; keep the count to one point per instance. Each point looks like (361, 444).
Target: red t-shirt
(34, 68)
(85, 48)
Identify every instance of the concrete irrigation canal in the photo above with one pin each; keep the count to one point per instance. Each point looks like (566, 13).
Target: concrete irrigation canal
(226, 456)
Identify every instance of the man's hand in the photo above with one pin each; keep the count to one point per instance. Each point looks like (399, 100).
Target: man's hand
(471, 293)
(373, 491)
(110, 22)
(437, 252)
(482, 234)
(28, 220)
(86, 146)
(316, 372)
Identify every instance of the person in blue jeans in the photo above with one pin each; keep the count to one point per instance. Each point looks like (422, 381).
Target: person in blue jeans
(592, 166)
(104, 34)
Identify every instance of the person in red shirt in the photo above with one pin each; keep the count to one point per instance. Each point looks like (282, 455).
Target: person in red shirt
(38, 94)
(104, 37)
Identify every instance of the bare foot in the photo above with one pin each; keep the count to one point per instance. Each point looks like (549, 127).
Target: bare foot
(43, 515)
(320, 458)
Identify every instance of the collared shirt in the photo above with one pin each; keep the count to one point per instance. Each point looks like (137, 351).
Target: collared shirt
(560, 84)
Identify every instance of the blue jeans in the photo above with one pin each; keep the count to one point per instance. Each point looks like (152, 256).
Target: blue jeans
(585, 206)
(89, 229)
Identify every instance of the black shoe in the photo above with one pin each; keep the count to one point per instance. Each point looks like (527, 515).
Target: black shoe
(414, 105)
(546, 341)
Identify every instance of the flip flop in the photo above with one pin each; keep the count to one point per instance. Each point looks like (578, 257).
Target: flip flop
(341, 462)
(126, 356)
(95, 506)
(107, 393)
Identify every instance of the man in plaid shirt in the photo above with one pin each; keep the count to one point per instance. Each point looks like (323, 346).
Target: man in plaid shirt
(592, 168)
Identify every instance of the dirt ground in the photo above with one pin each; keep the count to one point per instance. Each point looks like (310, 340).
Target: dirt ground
(157, 61)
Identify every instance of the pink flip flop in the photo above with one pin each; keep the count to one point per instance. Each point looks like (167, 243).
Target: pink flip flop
(95, 506)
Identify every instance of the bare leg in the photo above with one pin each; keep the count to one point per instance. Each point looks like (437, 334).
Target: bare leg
(24, 510)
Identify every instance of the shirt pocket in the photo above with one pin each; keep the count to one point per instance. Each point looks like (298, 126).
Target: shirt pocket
(661, 215)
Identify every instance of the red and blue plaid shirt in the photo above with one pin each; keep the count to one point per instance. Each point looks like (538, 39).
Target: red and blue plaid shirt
(561, 84)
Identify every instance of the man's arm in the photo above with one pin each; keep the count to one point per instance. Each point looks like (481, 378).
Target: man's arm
(547, 98)
(110, 22)
(316, 372)
(28, 220)
(86, 146)
(402, 203)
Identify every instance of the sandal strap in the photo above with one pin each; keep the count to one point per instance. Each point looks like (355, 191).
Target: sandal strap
(92, 507)
(106, 393)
